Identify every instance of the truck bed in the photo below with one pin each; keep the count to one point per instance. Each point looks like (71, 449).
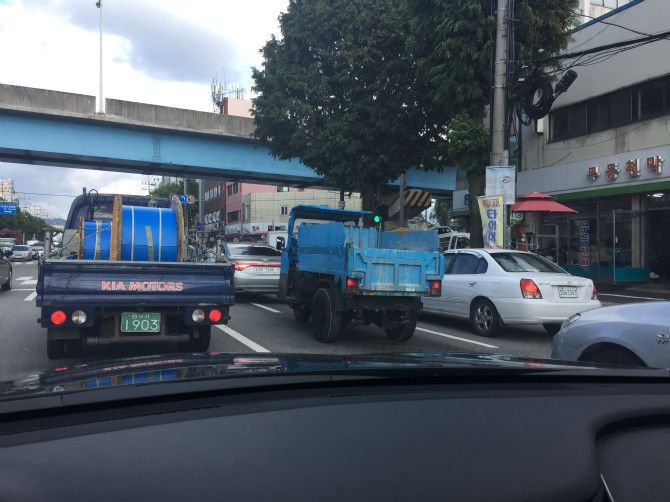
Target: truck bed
(99, 283)
(402, 264)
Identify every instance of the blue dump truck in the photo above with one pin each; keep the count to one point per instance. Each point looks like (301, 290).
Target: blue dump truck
(122, 277)
(337, 273)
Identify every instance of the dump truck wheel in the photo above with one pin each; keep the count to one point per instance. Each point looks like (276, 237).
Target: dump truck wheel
(404, 332)
(326, 321)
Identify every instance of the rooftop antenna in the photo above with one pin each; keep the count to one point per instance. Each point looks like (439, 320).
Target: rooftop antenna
(220, 91)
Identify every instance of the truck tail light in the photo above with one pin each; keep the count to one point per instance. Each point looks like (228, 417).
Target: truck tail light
(58, 317)
(198, 315)
(530, 290)
(435, 288)
(594, 295)
(215, 315)
(352, 285)
(79, 317)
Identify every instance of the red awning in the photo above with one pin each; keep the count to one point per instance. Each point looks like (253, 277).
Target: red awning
(539, 203)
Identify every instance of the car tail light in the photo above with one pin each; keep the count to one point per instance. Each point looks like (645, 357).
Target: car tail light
(58, 317)
(352, 285)
(198, 315)
(215, 315)
(240, 266)
(530, 290)
(594, 295)
(79, 317)
(435, 288)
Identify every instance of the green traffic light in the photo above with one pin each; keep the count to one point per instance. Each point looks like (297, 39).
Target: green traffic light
(377, 218)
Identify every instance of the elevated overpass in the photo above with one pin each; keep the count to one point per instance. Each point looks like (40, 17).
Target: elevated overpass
(39, 126)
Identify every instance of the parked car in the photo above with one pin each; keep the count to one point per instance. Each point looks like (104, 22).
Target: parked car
(496, 287)
(636, 334)
(21, 252)
(5, 270)
(454, 240)
(256, 266)
(37, 250)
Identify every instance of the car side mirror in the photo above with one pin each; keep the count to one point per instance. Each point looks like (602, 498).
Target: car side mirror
(281, 243)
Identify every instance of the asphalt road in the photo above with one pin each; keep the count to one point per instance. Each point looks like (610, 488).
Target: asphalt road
(259, 324)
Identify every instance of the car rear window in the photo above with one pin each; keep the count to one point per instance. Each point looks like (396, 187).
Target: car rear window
(521, 262)
(241, 250)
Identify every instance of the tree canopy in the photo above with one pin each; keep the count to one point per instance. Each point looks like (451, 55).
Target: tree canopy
(31, 226)
(339, 92)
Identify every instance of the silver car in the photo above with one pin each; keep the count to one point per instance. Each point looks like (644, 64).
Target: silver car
(636, 334)
(21, 253)
(256, 266)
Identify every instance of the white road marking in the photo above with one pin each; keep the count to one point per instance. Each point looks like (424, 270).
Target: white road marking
(457, 338)
(25, 289)
(266, 308)
(24, 278)
(28, 283)
(31, 296)
(638, 297)
(242, 339)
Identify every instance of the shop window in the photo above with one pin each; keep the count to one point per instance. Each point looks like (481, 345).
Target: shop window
(651, 99)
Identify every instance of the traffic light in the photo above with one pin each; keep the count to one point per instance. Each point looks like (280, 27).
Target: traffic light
(380, 213)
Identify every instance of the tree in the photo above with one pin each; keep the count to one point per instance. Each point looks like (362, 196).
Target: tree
(441, 211)
(453, 42)
(339, 92)
(192, 187)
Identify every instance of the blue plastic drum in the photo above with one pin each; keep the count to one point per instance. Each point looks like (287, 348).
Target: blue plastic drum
(97, 239)
(149, 234)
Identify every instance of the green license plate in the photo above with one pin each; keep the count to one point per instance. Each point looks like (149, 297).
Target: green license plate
(140, 323)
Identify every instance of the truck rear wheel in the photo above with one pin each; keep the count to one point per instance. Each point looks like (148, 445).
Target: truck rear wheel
(406, 330)
(326, 321)
(200, 344)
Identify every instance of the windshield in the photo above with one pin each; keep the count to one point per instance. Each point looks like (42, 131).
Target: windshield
(510, 200)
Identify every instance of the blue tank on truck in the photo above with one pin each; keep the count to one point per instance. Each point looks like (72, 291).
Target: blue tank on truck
(124, 278)
(335, 272)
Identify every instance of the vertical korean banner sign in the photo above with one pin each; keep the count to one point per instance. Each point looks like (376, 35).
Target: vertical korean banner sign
(491, 209)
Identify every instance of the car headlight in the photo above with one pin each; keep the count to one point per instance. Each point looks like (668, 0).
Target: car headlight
(570, 320)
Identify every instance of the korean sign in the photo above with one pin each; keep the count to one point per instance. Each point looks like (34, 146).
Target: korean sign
(632, 168)
(491, 209)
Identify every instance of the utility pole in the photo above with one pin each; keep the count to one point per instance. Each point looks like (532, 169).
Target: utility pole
(499, 156)
(499, 106)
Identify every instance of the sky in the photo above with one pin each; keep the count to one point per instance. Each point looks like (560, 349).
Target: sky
(164, 52)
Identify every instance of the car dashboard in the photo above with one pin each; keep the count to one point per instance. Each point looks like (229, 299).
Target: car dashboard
(446, 438)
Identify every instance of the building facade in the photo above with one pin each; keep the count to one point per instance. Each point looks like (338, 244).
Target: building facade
(603, 151)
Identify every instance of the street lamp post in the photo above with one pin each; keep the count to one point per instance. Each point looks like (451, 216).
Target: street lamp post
(98, 4)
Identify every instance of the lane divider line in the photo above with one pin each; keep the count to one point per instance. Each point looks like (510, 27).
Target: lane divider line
(31, 296)
(24, 278)
(241, 338)
(456, 338)
(30, 282)
(266, 308)
(25, 289)
(636, 297)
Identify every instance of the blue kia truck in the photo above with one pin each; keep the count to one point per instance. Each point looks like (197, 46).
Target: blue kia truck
(335, 272)
(124, 278)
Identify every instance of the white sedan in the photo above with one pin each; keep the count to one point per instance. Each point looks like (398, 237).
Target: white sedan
(497, 287)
